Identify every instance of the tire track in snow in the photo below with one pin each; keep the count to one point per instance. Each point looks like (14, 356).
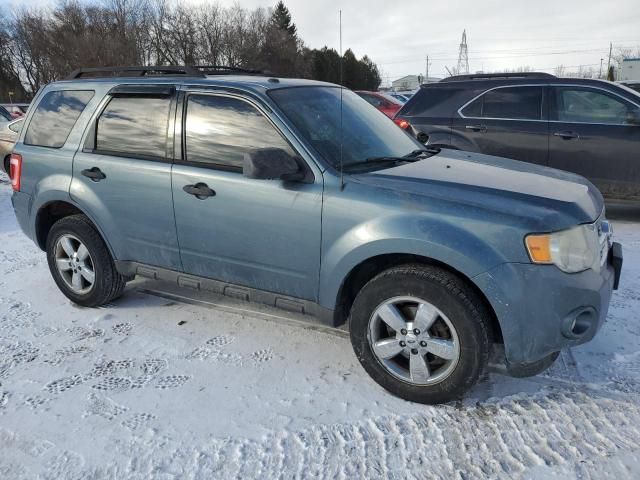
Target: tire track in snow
(504, 439)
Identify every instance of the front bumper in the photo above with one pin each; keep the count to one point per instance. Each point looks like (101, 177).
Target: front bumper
(542, 309)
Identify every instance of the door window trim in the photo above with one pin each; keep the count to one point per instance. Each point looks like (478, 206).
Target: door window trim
(89, 138)
(181, 157)
(548, 85)
(542, 105)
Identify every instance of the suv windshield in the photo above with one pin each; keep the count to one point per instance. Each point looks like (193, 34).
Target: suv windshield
(366, 133)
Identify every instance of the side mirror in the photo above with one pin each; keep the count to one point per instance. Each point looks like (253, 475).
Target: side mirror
(271, 164)
(633, 117)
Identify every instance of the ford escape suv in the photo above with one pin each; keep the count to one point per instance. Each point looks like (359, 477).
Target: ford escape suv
(257, 188)
(584, 126)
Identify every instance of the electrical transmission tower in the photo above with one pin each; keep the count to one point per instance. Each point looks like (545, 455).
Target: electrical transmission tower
(463, 56)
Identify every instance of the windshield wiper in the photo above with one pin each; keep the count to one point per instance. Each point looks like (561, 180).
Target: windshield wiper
(414, 156)
(379, 160)
(423, 151)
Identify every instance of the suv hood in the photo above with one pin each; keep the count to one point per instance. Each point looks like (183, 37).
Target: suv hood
(554, 198)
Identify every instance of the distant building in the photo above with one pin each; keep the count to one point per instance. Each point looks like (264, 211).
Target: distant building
(411, 82)
(629, 69)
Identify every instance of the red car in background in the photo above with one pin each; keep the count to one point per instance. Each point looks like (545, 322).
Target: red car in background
(16, 110)
(385, 103)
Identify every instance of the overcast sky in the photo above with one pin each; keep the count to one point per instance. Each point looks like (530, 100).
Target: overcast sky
(398, 36)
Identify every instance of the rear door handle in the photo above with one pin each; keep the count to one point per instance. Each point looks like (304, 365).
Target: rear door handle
(199, 190)
(477, 128)
(95, 174)
(567, 135)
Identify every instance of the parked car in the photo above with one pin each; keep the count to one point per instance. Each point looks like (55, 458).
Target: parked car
(398, 96)
(16, 110)
(5, 115)
(8, 135)
(589, 127)
(632, 84)
(298, 194)
(385, 103)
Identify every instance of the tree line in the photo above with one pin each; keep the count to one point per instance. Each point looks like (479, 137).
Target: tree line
(38, 46)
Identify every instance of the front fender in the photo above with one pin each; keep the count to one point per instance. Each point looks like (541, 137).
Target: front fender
(435, 239)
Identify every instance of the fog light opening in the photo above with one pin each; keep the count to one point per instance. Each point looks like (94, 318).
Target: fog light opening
(581, 324)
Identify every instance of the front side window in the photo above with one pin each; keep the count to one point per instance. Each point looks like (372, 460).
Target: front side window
(510, 103)
(134, 126)
(585, 105)
(219, 130)
(55, 116)
(360, 133)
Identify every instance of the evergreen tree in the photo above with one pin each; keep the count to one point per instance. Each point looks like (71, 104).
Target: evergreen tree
(281, 18)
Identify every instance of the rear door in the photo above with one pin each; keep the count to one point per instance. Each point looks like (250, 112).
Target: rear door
(122, 175)
(508, 122)
(591, 136)
(263, 234)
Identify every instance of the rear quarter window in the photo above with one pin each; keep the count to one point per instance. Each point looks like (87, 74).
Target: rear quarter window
(55, 116)
(432, 101)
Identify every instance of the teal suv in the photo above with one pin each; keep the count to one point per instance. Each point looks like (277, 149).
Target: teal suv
(301, 195)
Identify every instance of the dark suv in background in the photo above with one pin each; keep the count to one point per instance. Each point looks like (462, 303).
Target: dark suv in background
(589, 127)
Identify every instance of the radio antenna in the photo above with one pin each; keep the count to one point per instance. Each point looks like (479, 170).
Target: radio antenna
(341, 89)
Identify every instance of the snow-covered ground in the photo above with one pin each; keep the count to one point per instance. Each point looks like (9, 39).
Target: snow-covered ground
(151, 387)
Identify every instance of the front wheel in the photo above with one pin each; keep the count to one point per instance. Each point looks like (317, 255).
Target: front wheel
(421, 333)
(81, 264)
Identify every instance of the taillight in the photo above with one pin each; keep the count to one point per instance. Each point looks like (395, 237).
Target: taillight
(15, 170)
(402, 123)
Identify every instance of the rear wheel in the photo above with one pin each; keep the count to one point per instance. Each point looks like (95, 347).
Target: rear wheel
(81, 264)
(7, 164)
(421, 333)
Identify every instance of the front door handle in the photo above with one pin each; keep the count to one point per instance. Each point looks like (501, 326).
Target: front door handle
(477, 128)
(95, 174)
(567, 135)
(199, 190)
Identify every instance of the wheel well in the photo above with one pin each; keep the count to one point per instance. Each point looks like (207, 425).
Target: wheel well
(371, 267)
(50, 214)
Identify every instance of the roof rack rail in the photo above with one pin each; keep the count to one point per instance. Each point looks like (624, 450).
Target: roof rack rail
(143, 71)
(489, 76)
(225, 69)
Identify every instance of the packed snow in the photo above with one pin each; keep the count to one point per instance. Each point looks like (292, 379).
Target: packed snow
(171, 386)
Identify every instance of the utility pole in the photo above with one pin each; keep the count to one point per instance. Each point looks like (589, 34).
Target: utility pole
(609, 62)
(426, 76)
(600, 74)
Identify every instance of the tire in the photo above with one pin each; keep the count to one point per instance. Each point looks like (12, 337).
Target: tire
(107, 284)
(459, 329)
(7, 165)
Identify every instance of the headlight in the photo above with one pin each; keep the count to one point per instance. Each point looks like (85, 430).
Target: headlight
(572, 250)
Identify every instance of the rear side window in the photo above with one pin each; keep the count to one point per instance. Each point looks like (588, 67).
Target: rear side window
(219, 130)
(373, 100)
(55, 116)
(134, 126)
(584, 105)
(511, 103)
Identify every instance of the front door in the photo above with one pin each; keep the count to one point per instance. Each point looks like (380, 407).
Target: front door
(122, 175)
(591, 136)
(263, 234)
(508, 122)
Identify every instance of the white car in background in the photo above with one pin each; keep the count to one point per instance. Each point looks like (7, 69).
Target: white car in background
(8, 134)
